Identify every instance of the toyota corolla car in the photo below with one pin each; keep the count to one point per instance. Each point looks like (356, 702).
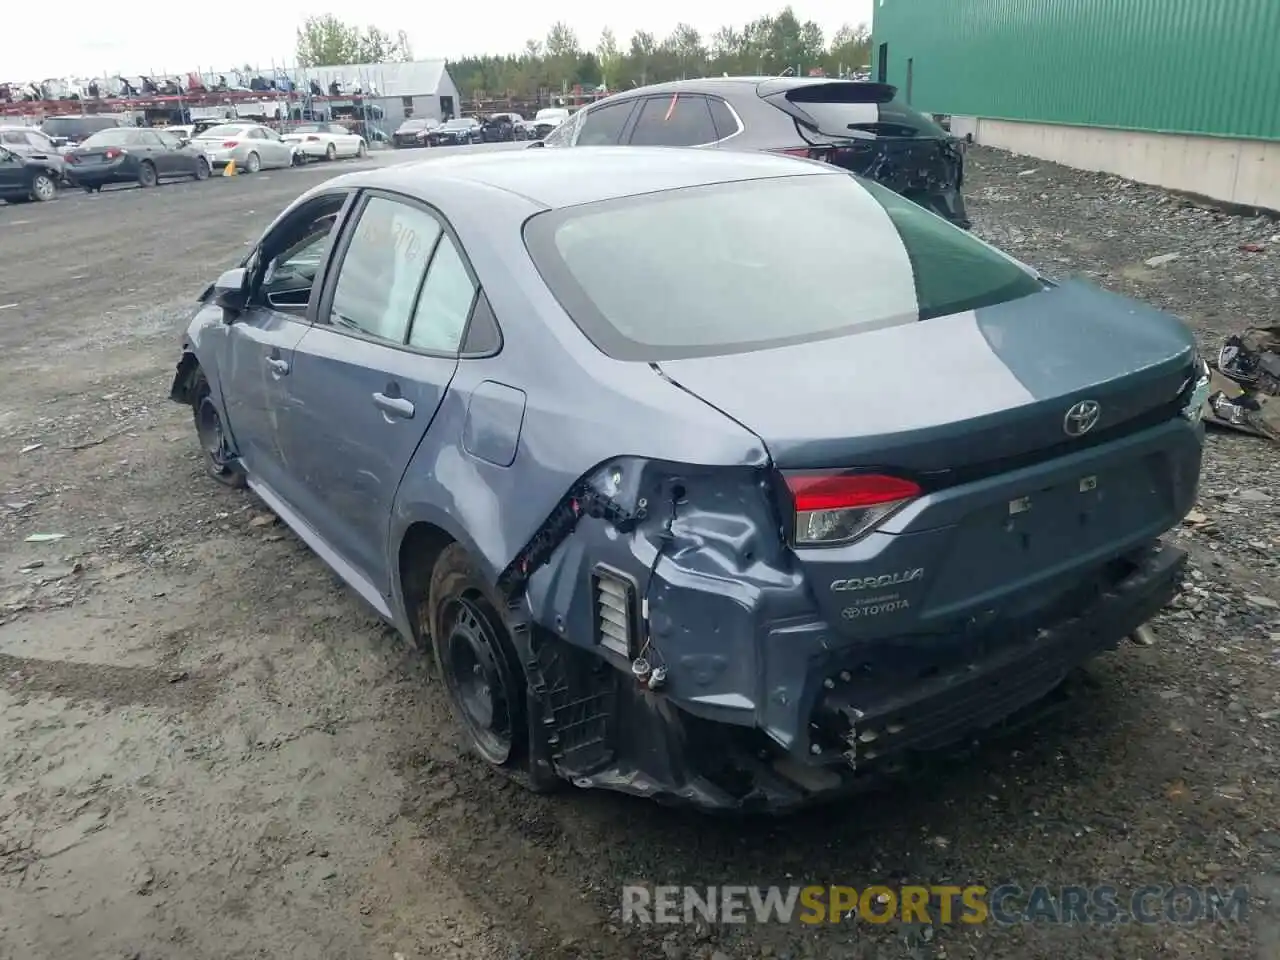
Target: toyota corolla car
(678, 509)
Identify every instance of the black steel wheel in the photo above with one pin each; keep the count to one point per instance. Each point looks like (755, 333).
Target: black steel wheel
(479, 682)
(214, 444)
(147, 174)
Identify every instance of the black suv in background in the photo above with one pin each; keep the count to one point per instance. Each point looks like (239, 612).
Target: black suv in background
(499, 127)
(68, 131)
(862, 127)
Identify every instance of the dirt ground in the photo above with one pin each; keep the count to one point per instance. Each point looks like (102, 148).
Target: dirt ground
(210, 749)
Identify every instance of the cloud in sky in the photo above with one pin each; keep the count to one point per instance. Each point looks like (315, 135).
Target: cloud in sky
(97, 40)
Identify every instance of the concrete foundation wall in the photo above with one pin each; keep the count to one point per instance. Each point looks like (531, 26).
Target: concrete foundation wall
(1246, 172)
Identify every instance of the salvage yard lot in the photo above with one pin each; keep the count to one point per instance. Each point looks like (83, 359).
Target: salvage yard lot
(210, 749)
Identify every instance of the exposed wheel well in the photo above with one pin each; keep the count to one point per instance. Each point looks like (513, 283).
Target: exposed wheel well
(419, 550)
(185, 380)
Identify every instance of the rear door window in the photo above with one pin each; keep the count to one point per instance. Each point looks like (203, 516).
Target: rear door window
(601, 126)
(762, 263)
(680, 120)
(382, 269)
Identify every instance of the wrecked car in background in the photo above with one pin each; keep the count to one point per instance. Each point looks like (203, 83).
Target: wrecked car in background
(646, 482)
(859, 126)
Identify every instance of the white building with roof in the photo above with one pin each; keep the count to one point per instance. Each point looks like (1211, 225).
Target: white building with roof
(419, 88)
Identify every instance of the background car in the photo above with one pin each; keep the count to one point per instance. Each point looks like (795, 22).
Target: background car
(326, 141)
(69, 131)
(31, 142)
(862, 127)
(499, 127)
(27, 178)
(461, 130)
(252, 146)
(619, 433)
(133, 155)
(413, 132)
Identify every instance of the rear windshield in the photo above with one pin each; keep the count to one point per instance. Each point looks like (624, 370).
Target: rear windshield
(841, 110)
(116, 137)
(226, 130)
(742, 266)
(308, 128)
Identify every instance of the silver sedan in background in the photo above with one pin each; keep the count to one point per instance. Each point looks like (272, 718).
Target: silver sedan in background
(252, 146)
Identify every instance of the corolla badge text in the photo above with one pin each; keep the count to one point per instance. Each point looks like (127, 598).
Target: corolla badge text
(876, 583)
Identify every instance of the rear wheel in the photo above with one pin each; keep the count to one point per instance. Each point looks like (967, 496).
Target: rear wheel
(362, 150)
(213, 439)
(43, 188)
(202, 169)
(331, 152)
(147, 174)
(477, 660)
(253, 163)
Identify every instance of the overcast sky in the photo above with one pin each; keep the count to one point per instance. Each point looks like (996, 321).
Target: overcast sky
(95, 39)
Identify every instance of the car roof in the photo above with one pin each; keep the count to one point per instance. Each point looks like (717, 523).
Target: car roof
(724, 84)
(555, 178)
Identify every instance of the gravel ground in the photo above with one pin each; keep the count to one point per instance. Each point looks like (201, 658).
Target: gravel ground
(210, 749)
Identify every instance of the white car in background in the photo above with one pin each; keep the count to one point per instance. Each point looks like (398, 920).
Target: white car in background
(327, 141)
(252, 146)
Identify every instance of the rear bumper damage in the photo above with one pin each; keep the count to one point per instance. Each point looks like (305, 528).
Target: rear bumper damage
(866, 713)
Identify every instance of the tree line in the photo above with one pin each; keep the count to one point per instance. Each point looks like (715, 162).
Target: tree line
(769, 45)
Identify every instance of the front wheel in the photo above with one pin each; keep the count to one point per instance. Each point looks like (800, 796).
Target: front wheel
(331, 152)
(214, 446)
(43, 188)
(147, 175)
(202, 169)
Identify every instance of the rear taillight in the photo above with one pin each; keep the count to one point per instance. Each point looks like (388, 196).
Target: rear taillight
(230, 144)
(313, 139)
(112, 153)
(71, 158)
(833, 508)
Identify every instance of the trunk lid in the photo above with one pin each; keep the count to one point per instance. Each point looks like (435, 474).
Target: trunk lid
(1016, 517)
(941, 394)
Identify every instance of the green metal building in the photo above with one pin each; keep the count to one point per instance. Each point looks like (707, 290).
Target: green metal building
(1145, 70)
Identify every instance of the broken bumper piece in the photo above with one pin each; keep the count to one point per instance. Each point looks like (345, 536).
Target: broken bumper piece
(863, 728)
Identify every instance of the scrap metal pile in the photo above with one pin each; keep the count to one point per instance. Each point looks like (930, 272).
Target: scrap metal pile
(1244, 391)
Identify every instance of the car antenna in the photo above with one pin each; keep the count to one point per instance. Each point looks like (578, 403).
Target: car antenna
(787, 72)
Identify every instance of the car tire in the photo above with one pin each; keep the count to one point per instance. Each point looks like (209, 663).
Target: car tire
(214, 447)
(202, 169)
(252, 163)
(92, 188)
(362, 151)
(298, 158)
(147, 174)
(483, 678)
(331, 152)
(43, 188)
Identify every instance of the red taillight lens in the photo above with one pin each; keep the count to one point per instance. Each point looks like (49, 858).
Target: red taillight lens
(839, 508)
(795, 152)
(71, 158)
(230, 144)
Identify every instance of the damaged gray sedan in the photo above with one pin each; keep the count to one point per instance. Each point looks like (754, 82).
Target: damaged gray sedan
(718, 478)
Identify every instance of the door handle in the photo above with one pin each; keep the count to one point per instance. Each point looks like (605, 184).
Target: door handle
(278, 367)
(393, 406)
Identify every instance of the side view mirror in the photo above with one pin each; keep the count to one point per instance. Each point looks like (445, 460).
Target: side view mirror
(231, 293)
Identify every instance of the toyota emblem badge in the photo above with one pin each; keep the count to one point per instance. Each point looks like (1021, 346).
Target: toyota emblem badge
(1081, 418)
